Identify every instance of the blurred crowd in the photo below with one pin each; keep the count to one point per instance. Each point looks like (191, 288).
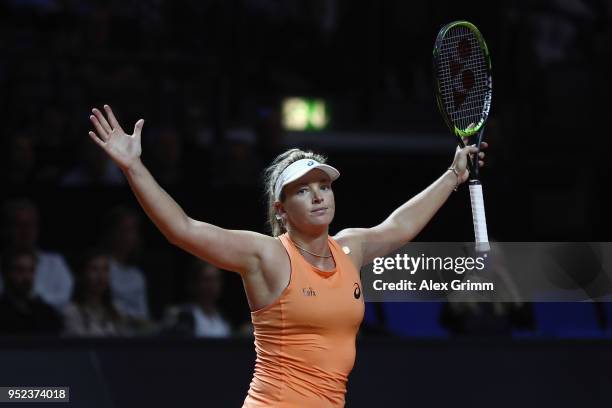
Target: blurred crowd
(106, 289)
(101, 291)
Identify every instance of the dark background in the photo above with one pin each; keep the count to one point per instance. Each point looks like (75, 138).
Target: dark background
(215, 72)
(387, 373)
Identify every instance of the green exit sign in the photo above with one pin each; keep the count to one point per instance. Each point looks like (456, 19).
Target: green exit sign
(301, 114)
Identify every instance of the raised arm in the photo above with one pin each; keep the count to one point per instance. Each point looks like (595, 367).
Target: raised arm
(409, 219)
(238, 251)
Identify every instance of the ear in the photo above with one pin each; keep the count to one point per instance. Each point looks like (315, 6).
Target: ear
(280, 211)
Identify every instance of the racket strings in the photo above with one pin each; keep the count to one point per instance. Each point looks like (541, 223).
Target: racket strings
(463, 92)
(463, 76)
(467, 69)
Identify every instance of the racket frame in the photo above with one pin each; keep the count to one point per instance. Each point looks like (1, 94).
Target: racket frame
(477, 129)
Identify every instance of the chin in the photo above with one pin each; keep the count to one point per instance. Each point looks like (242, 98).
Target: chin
(323, 221)
(316, 225)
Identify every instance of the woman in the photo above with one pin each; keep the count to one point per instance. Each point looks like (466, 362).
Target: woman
(201, 316)
(91, 312)
(302, 285)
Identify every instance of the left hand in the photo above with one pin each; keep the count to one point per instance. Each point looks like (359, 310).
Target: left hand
(460, 161)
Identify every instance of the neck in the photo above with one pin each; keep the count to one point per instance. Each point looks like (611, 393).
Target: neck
(315, 243)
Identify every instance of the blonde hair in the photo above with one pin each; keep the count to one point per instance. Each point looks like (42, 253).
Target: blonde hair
(271, 174)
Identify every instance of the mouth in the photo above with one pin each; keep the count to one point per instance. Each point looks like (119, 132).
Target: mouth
(319, 211)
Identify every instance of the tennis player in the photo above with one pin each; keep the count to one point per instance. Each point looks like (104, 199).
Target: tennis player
(302, 285)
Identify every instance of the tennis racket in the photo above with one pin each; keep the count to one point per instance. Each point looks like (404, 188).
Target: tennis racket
(463, 88)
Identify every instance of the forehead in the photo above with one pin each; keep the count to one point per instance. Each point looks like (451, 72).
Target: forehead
(315, 175)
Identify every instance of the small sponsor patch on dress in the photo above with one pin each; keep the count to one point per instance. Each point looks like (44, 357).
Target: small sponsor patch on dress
(346, 250)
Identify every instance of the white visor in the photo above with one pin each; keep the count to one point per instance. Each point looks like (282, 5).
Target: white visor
(297, 169)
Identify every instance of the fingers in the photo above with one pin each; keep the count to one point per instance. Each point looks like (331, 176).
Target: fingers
(102, 120)
(473, 149)
(466, 139)
(96, 139)
(111, 118)
(104, 135)
(138, 128)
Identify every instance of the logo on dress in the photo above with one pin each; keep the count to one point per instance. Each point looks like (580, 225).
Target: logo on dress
(309, 291)
(310, 163)
(357, 291)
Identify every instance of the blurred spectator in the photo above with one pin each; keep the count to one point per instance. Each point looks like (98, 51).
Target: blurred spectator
(19, 160)
(95, 169)
(22, 165)
(486, 318)
(53, 280)
(21, 310)
(238, 147)
(91, 312)
(201, 316)
(492, 317)
(269, 133)
(166, 154)
(128, 282)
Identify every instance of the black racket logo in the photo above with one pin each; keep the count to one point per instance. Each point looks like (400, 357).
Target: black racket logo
(463, 80)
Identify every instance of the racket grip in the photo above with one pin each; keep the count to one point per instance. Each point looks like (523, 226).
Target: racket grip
(478, 216)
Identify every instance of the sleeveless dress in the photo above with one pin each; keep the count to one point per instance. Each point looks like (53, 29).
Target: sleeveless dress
(305, 339)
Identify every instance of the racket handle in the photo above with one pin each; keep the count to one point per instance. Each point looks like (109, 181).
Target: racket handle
(478, 216)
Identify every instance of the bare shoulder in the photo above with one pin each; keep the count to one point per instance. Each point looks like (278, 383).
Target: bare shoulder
(352, 240)
(273, 262)
(272, 249)
(350, 236)
(368, 243)
(267, 281)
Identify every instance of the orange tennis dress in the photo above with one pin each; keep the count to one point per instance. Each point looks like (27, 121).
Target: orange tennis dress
(305, 339)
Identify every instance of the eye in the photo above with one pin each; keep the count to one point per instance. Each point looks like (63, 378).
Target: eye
(302, 191)
(325, 187)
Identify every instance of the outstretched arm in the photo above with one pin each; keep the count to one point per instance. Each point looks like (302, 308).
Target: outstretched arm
(409, 219)
(239, 251)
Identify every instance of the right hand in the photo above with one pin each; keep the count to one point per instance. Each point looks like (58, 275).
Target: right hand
(124, 149)
(460, 162)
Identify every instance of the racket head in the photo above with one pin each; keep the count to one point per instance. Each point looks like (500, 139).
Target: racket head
(462, 78)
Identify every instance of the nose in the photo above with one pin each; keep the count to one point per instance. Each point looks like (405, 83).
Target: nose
(317, 197)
